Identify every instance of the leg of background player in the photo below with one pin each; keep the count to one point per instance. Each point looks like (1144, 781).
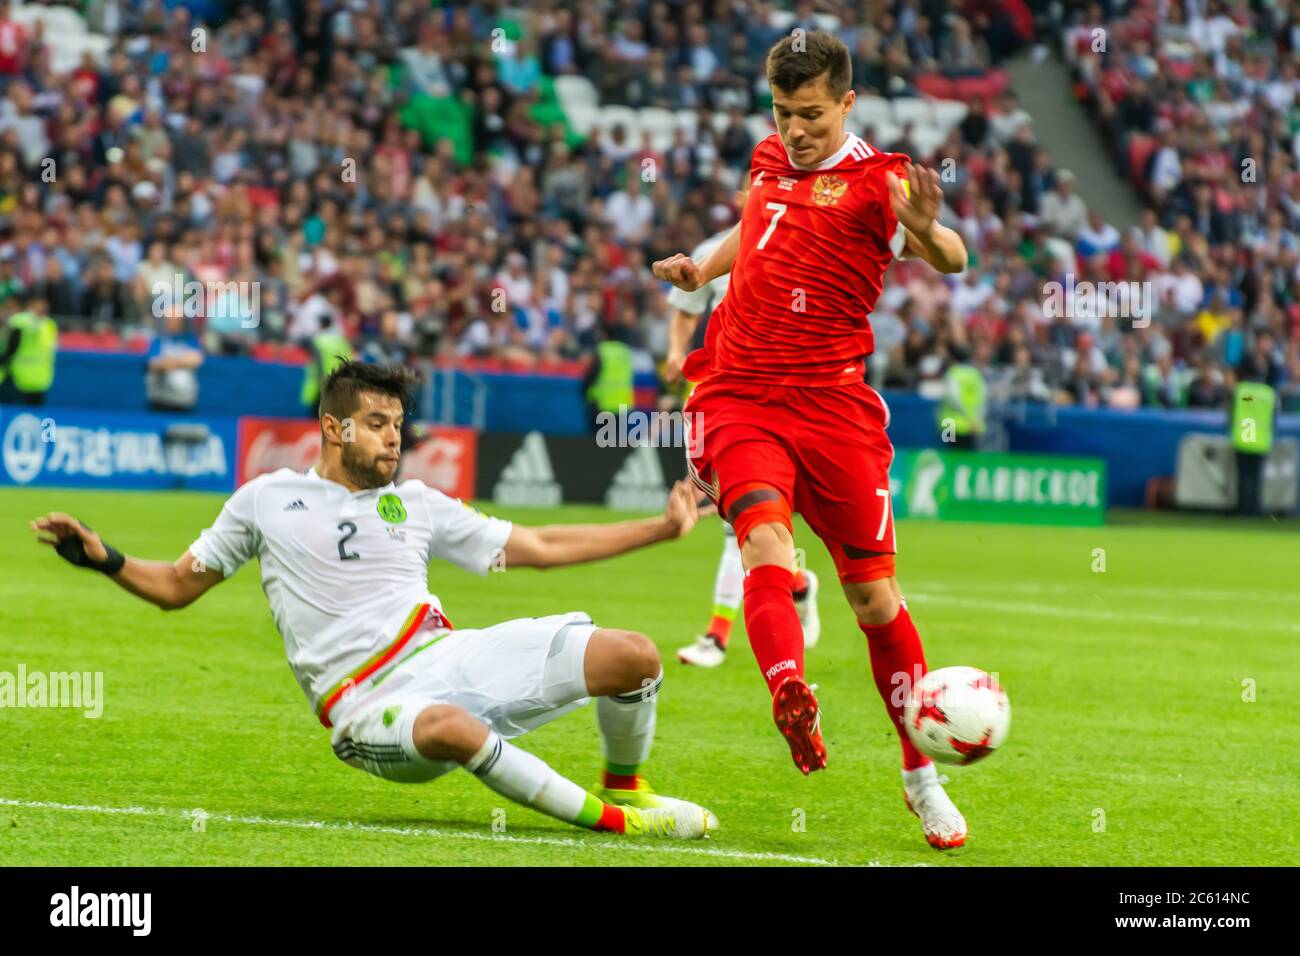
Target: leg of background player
(897, 662)
(709, 649)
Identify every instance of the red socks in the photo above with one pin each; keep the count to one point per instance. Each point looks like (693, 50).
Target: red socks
(895, 650)
(773, 624)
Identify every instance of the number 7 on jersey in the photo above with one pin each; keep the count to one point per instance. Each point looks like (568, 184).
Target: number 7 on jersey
(779, 209)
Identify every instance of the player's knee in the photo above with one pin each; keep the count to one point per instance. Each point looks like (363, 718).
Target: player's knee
(768, 543)
(874, 602)
(640, 659)
(619, 662)
(445, 732)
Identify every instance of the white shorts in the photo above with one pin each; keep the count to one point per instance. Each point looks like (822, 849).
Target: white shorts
(514, 677)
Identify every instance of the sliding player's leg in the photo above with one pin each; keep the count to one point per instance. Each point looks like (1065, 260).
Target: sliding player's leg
(461, 705)
(709, 649)
(623, 672)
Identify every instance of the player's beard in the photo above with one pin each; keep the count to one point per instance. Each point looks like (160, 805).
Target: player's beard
(362, 471)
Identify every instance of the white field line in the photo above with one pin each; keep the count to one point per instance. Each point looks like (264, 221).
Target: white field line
(1119, 617)
(1109, 590)
(609, 844)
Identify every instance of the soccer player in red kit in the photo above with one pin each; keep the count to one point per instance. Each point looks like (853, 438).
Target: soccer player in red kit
(787, 421)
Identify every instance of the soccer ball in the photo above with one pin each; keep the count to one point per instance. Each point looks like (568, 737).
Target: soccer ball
(957, 715)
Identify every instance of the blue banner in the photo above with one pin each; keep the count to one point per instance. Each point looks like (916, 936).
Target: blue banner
(91, 449)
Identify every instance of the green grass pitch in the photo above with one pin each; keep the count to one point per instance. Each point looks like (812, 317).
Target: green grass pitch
(1134, 738)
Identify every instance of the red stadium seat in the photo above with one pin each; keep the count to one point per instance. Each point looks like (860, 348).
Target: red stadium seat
(1140, 149)
(937, 86)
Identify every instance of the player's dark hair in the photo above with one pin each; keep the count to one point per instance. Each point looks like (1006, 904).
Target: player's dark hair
(340, 394)
(802, 57)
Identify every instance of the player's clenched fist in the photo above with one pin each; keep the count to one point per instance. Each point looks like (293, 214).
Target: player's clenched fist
(917, 203)
(681, 270)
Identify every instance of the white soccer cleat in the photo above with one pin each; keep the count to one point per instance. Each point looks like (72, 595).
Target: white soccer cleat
(705, 652)
(675, 819)
(943, 824)
(808, 616)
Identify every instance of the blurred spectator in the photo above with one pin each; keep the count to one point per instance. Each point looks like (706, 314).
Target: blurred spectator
(172, 364)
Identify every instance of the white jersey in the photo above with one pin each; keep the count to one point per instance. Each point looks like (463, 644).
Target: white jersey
(343, 571)
(706, 298)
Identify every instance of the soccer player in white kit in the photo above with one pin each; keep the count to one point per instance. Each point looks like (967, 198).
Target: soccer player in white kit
(710, 648)
(344, 556)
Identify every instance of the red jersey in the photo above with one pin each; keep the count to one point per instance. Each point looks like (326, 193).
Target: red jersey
(814, 247)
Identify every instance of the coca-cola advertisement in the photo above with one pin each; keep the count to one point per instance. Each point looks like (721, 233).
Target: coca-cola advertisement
(444, 460)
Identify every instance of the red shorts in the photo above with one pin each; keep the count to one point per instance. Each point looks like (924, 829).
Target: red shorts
(824, 449)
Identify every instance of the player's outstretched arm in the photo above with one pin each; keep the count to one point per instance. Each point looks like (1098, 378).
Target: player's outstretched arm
(688, 275)
(917, 202)
(170, 586)
(681, 329)
(553, 546)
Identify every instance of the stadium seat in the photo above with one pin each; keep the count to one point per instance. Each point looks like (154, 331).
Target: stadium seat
(927, 139)
(760, 126)
(582, 117)
(949, 113)
(660, 124)
(576, 91)
(882, 135)
(625, 116)
(937, 86)
(1140, 149)
(687, 120)
(912, 109)
(871, 111)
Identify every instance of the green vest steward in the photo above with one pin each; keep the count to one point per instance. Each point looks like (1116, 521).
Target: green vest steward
(32, 366)
(965, 401)
(613, 386)
(1252, 417)
(333, 350)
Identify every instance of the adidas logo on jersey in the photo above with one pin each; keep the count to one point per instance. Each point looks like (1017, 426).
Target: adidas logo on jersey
(295, 505)
(528, 479)
(639, 484)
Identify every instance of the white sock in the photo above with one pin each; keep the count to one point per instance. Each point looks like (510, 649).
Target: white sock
(627, 726)
(519, 776)
(729, 584)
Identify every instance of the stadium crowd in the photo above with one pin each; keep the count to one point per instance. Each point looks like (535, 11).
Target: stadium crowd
(403, 175)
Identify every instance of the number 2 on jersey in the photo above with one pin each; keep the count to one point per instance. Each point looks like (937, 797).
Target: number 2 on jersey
(779, 208)
(351, 529)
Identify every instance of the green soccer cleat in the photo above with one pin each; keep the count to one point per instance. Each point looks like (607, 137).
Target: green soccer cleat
(643, 798)
(682, 821)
